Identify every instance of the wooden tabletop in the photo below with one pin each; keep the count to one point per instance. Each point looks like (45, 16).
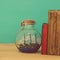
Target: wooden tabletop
(10, 52)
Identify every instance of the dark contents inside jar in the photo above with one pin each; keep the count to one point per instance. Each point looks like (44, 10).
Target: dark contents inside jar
(29, 48)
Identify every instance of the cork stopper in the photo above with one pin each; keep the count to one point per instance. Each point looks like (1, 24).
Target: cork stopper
(29, 22)
(22, 24)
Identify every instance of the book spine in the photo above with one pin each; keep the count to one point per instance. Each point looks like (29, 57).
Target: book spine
(51, 50)
(58, 34)
(44, 38)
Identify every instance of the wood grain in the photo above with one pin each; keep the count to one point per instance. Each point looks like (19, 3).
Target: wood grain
(51, 32)
(58, 34)
(10, 52)
(53, 47)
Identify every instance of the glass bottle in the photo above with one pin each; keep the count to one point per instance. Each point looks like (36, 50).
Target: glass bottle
(28, 40)
(22, 27)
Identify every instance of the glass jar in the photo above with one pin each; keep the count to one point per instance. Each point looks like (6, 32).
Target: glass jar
(28, 39)
(22, 27)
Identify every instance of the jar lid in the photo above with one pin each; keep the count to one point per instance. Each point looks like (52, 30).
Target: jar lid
(29, 22)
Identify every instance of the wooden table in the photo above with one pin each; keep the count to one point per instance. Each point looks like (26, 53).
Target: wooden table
(10, 52)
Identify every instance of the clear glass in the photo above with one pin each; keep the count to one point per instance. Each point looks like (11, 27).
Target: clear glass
(28, 39)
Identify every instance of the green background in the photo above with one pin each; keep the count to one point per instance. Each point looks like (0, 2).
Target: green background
(13, 12)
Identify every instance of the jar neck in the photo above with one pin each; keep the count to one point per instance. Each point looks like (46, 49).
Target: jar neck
(29, 26)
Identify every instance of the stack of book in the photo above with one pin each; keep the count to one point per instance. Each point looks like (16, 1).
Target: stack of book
(53, 41)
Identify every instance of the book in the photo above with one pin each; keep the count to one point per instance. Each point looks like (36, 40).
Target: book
(44, 38)
(51, 46)
(58, 33)
(53, 43)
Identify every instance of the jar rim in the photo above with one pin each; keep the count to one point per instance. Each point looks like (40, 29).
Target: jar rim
(29, 22)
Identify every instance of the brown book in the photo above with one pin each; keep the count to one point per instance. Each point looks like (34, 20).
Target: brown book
(58, 34)
(51, 47)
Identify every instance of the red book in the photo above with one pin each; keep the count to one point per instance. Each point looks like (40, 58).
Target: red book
(44, 38)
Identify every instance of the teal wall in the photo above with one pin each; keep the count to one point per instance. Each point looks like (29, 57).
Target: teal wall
(12, 12)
